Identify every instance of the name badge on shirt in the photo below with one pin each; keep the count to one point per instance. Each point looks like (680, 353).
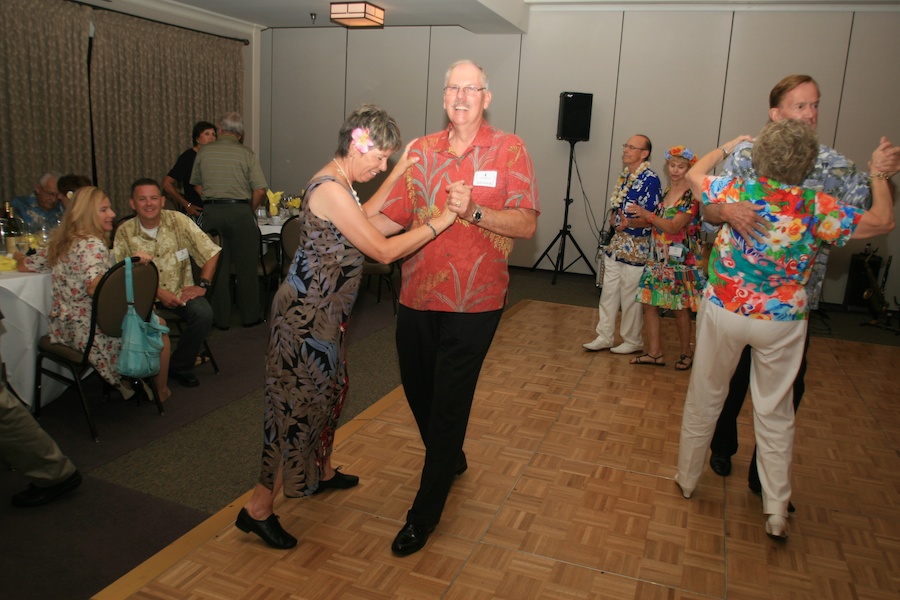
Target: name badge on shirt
(182, 254)
(485, 179)
(676, 251)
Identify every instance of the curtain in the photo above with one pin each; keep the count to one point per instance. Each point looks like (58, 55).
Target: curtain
(149, 84)
(44, 101)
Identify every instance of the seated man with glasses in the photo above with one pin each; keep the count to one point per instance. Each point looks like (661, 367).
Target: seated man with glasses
(42, 207)
(627, 251)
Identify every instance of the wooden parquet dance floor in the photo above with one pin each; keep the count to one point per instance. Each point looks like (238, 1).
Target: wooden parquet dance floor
(569, 492)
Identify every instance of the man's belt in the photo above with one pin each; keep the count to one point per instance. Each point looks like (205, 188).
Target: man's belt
(225, 201)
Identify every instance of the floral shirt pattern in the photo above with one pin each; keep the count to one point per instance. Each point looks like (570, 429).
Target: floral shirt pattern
(766, 280)
(671, 278)
(632, 245)
(834, 175)
(465, 268)
(31, 213)
(177, 238)
(70, 315)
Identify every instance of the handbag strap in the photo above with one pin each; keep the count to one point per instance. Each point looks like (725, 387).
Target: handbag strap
(129, 285)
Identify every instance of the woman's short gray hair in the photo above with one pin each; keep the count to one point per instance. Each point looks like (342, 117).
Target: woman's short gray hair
(383, 129)
(786, 151)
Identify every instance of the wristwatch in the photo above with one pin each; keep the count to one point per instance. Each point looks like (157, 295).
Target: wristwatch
(477, 215)
(204, 283)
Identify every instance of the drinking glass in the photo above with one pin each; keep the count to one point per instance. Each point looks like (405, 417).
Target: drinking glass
(22, 244)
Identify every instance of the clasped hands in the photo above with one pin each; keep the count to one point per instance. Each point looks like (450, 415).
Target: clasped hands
(459, 200)
(167, 298)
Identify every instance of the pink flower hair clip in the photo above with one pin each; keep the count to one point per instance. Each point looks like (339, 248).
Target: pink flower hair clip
(361, 140)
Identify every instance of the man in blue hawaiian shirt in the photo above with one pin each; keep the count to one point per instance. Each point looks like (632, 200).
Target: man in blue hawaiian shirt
(43, 207)
(627, 251)
(794, 97)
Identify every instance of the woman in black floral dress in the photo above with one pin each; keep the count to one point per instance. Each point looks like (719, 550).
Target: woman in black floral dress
(306, 376)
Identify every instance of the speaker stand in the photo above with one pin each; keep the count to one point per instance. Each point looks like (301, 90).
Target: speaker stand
(565, 232)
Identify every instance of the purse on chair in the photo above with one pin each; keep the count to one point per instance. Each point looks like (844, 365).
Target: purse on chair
(142, 341)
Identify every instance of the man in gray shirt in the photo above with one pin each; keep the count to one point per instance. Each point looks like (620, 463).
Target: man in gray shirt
(228, 177)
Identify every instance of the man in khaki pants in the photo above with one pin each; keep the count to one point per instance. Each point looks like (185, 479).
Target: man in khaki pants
(27, 448)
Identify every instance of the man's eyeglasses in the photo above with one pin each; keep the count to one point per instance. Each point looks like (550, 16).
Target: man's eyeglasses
(630, 147)
(453, 90)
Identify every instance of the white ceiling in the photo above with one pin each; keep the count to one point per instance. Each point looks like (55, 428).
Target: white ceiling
(469, 14)
(477, 16)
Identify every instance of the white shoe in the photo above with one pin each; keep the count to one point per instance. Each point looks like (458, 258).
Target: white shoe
(599, 343)
(684, 492)
(624, 348)
(777, 527)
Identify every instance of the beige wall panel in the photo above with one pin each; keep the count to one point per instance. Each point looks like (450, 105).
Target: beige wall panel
(552, 62)
(671, 81)
(398, 83)
(497, 54)
(869, 109)
(307, 102)
(766, 47)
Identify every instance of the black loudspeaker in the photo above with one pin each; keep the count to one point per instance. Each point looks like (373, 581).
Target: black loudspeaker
(574, 117)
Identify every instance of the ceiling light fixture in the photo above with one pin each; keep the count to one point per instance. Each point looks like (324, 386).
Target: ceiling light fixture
(357, 14)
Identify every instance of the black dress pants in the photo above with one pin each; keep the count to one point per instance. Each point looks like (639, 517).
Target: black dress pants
(725, 438)
(440, 356)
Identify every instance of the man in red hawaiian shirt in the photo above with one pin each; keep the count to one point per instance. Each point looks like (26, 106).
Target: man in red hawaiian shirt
(454, 288)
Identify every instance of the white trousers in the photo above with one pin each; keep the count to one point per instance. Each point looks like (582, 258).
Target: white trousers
(620, 285)
(776, 351)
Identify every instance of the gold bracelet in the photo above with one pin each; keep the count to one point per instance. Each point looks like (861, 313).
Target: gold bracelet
(879, 175)
(433, 230)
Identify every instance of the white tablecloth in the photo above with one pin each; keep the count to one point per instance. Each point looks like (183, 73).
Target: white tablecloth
(265, 228)
(25, 302)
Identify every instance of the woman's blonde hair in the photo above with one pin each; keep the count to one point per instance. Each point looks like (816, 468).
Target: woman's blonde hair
(80, 221)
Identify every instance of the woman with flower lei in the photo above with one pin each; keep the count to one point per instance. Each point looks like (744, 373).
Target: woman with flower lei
(625, 255)
(306, 374)
(671, 279)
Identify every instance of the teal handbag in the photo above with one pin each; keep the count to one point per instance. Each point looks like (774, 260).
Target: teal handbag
(142, 341)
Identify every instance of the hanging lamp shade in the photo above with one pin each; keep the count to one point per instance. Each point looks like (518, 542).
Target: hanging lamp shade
(357, 14)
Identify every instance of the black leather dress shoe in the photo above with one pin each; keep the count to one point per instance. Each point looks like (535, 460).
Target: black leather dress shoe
(186, 378)
(269, 530)
(254, 323)
(411, 539)
(756, 487)
(721, 464)
(37, 496)
(340, 481)
(461, 464)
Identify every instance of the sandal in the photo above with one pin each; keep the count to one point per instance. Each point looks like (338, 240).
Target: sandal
(685, 362)
(653, 362)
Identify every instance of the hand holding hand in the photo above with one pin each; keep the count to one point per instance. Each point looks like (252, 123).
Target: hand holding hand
(459, 199)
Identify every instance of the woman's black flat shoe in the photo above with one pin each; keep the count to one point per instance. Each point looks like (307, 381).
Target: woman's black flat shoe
(269, 530)
(340, 481)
